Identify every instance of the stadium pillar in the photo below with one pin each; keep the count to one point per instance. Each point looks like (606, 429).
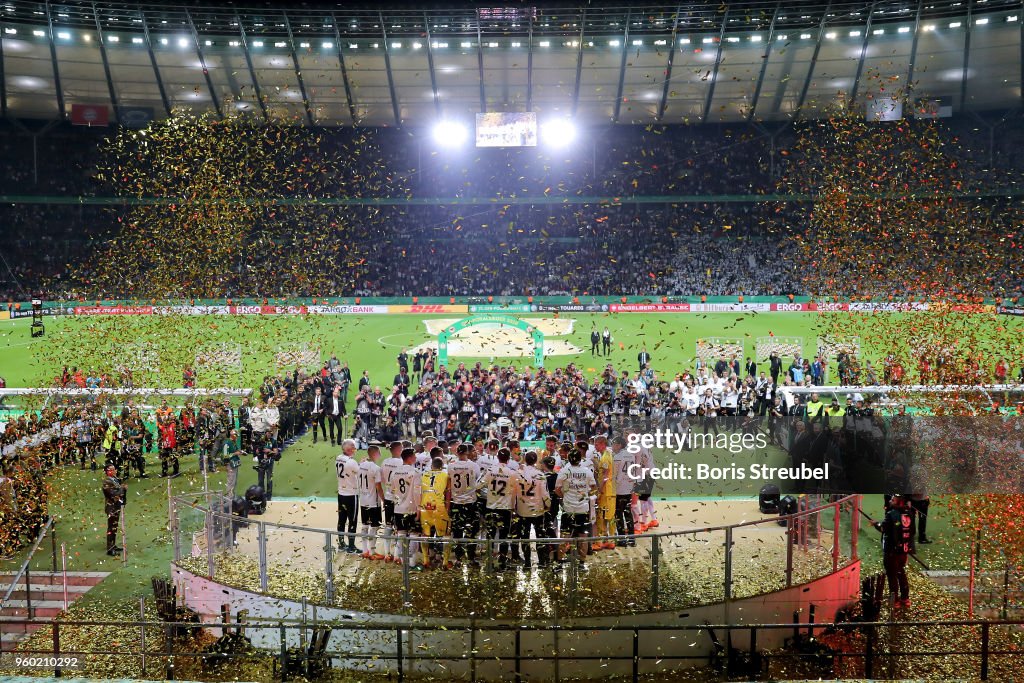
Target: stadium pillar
(668, 66)
(714, 71)
(764, 64)
(3, 80)
(814, 58)
(863, 54)
(61, 114)
(252, 72)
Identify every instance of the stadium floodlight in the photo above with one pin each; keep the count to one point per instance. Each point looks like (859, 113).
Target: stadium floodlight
(544, 43)
(881, 31)
(903, 29)
(981, 22)
(755, 39)
(614, 43)
(11, 31)
(182, 42)
(558, 132)
(113, 39)
(328, 45)
(136, 41)
(64, 35)
(39, 34)
(449, 133)
(257, 43)
(805, 36)
(163, 41)
(1012, 17)
(929, 28)
(854, 34)
(831, 35)
(955, 24)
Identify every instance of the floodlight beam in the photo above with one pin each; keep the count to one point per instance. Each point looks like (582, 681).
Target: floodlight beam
(450, 133)
(558, 132)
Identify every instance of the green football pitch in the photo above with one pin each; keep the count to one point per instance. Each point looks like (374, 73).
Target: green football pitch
(164, 344)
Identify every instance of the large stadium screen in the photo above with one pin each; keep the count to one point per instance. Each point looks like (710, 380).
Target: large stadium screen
(503, 129)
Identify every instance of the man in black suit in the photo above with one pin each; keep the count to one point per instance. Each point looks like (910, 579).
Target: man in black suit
(595, 339)
(403, 361)
(364, 381)
(316, 413)
(335, 411)
(343, 381)
(774, 367)
(643, 358)
(417, 365)
(751, 368)
(402, 381)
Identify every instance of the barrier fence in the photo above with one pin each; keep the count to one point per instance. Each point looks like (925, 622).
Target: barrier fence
(882, 649)
(652, 572)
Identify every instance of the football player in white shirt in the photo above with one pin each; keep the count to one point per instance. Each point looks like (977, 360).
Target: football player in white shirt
(575, 485)
(489, 458)
(423, 458)
(464, 475)
(501, 484)
(406, 486)
(622, 459)
(386, 470)
(370, 495)
(348, 492)
(532, 502)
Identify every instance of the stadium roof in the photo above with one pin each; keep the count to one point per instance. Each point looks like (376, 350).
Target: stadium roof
(329, 64)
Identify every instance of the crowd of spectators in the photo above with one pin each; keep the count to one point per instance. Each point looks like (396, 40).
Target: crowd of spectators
(685, 248)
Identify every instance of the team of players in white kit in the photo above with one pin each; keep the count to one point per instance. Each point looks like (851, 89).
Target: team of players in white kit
(487, 490)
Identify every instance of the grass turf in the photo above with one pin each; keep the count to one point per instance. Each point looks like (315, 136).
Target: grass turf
(367, 342)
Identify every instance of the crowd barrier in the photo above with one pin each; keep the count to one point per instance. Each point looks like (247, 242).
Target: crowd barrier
(670, 570)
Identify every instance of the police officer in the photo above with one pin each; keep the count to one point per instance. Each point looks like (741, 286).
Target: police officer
(897, 543)
(114, 493)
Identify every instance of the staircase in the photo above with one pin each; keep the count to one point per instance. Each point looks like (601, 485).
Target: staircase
(991, 590)
(46, 597)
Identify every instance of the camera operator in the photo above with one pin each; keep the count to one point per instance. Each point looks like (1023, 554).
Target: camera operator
(266, 452)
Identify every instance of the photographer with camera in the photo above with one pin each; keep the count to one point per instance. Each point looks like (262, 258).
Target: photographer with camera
(266, 452)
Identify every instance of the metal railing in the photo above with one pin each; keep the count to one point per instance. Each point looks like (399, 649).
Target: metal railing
(661, 571)
(25, 572)
(394, 647)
